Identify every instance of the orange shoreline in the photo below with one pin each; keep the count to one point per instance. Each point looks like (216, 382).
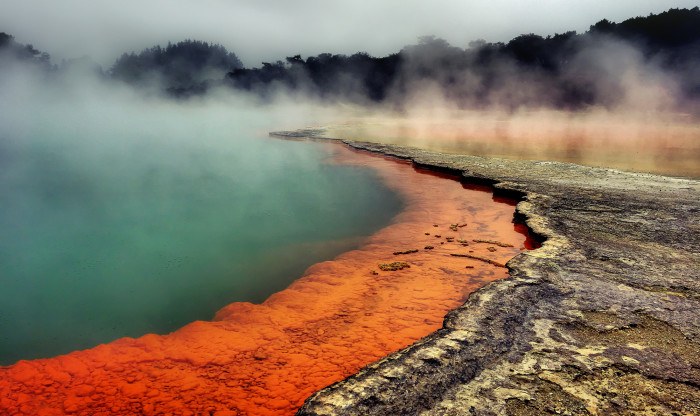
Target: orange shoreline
(340, 316)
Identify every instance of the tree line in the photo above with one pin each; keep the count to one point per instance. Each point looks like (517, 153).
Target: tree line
(183, 68)
(567, 70)
(554, 71)
(11, 49)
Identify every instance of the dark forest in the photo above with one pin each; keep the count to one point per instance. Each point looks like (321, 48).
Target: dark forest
(555, 71)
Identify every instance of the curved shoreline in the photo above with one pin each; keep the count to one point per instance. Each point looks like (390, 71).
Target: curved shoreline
(336, 318)
(602, 319)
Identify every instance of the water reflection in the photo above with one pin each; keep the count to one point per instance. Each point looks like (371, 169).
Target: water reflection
(659, 143)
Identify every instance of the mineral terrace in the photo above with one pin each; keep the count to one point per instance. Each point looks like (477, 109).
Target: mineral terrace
(603, 319)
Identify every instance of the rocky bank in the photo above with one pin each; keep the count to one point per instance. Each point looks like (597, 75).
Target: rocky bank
(603, 319)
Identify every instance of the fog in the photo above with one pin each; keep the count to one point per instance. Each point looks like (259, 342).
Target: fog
(260, 31)
(126, 213)
(661, 143)
(106, 186)
(642, 118)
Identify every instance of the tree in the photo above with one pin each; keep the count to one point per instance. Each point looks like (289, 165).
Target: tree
(183, 66)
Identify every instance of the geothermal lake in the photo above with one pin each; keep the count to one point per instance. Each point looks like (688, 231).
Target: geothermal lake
(122, 221)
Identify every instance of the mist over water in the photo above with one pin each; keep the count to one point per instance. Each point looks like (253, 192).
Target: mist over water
(124, 215)
(667, 144)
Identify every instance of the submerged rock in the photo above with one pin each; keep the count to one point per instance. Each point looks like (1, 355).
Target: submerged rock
(396, 253)
(494, 242)
(485, 260)
(394, 265)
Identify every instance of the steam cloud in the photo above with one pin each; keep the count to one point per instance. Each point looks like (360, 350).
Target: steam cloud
(110, 193)
(605, 102)
(640, 118)
(268, 30)
(595, 99)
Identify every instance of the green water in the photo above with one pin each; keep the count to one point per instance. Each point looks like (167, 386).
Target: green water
(119, 222)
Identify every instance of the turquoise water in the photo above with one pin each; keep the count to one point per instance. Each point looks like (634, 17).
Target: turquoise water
(120, 222)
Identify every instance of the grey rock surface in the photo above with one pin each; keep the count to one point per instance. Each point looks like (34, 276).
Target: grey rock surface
(603, 319)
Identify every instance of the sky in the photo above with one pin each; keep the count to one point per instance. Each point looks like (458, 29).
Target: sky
(268, 30)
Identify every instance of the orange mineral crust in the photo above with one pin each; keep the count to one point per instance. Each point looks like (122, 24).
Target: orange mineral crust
(340, 316)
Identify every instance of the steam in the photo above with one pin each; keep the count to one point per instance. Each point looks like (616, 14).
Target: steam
(126, 213)
(637, 112)
(78, 140)
(265, 31)
(641, 119)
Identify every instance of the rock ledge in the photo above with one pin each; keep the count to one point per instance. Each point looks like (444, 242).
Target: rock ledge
(601, 320)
